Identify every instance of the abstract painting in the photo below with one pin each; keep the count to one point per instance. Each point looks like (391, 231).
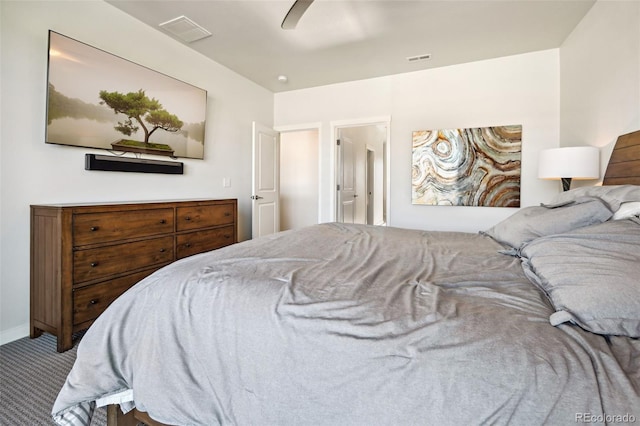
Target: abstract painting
(467, 167)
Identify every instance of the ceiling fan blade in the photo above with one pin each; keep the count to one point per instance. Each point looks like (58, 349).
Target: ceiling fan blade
(295, 13)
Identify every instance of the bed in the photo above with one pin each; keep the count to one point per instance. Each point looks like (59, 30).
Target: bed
(534, 321)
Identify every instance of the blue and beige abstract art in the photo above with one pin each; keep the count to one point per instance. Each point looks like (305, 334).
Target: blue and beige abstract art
(467, 167)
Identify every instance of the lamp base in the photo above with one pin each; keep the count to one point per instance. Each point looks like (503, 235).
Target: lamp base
(566, 183)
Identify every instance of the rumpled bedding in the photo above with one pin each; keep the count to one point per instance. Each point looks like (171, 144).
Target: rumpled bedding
(340, 324)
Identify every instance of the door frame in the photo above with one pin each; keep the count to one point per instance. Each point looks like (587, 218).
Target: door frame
(317, 126)
(334, 168)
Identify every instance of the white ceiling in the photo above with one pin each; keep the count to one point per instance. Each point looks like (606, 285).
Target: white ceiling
(340, 40)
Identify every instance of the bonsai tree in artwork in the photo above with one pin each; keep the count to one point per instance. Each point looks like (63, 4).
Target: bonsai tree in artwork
(141, 112)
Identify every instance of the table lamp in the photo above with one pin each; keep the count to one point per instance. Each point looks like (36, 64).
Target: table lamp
(565, 164)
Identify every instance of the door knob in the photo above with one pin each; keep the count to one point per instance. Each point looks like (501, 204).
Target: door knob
(256, 197)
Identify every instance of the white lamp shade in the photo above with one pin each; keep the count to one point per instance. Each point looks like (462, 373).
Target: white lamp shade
(578, 162)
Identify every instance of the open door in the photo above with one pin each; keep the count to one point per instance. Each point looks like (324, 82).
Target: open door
(371, 185)
(266, 181)
(347, 194)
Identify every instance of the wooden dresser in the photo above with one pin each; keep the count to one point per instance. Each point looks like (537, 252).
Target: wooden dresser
(84, 256)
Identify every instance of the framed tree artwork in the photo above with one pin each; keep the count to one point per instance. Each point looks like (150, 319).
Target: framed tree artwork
(99, 100)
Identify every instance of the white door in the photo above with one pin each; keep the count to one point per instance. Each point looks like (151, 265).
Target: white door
(346, 181)
(266, 181)
(370, 172)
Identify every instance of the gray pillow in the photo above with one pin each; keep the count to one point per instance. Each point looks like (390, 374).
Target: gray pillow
(591, 276)
(613, 195)
(530, 223)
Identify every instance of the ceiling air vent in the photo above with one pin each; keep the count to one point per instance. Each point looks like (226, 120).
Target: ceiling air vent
(417, 58)
(185, 29)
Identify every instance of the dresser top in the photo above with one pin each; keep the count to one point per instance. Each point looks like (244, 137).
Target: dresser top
(135, 202)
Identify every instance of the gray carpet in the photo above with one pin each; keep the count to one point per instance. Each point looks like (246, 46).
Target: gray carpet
(31, 375)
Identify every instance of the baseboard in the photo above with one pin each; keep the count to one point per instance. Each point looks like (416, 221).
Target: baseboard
(14, 333)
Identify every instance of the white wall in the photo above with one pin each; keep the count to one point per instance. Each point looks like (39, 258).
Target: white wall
(600, 77)
(522, 89)
(34, 172)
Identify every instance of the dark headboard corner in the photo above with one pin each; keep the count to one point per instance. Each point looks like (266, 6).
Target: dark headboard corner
(624, 164)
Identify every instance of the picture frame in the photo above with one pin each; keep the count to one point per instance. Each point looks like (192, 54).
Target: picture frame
(99, 100)
(478, 166)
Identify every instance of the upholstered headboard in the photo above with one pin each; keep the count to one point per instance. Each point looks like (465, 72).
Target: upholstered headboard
(624, 164)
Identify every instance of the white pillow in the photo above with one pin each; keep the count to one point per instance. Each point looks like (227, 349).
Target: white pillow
(627, 210)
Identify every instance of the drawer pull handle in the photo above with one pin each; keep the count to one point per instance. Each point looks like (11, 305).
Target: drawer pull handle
(94, 228)
(162, 221)
(187, 244)
(162, 250)
(227, 214)
(227, 236)
(93, 301)
(187, 218)
(94, 264)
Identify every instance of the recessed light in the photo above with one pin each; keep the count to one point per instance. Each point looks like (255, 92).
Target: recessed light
(283, 78)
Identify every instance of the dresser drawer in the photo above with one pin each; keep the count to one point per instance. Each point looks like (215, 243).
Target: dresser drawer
(204, 216)
(200, 241)
(102, 262)
(89, 302)
(93, 228)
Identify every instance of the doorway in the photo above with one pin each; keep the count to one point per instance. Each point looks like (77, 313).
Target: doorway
(299, 178)
(285, 188)
(361, 172)
(315, 193)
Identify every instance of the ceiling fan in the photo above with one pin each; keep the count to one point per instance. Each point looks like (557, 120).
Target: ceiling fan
(295, 13)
